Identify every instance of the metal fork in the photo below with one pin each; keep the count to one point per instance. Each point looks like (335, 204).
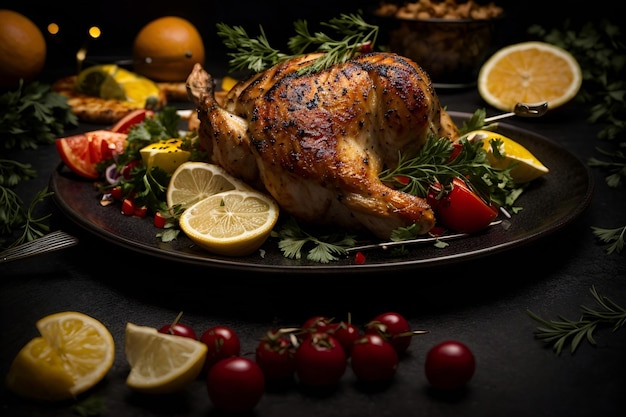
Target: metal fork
(47, 243)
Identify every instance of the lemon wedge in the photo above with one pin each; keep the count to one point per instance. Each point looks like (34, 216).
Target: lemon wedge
(161, 363)
(73, 353)
(508, 153)
(195, 181)
(231, 223)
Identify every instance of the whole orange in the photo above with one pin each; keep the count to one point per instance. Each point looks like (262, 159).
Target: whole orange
(167, 48)
(22, 49)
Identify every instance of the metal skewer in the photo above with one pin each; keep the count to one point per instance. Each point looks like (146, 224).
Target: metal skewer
(433, 239)
(522, 110)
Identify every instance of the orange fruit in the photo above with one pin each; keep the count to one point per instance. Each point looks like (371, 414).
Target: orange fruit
(529, 72)
(22, 49)
(167, 48)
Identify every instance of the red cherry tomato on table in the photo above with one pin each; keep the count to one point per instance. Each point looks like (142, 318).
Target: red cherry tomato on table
(316, 324)
(320, 360)
(222, 342)
(347, 333)
(235, 384)
(179, 329)
(276, 355)
(394, 328)
(460, 209)
(374, 359)
(449, 365)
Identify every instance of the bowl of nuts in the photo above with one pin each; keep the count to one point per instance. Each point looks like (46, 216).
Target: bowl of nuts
(449, 39)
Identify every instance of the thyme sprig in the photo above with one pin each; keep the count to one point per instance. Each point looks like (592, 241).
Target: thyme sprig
(560, 332)
(256, 54)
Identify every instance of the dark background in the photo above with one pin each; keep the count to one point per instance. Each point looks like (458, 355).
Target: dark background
(121, 20)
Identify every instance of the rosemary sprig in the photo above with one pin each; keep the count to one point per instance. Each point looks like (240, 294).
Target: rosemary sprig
(559, 332)
(433, 164)
(257, 54)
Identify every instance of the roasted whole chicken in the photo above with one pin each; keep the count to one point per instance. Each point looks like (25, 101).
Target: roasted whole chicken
(316, 142)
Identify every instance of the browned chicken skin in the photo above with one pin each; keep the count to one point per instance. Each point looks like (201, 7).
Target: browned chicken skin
(317, 142)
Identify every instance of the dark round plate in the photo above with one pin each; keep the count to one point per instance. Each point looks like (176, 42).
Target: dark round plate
(550, 203)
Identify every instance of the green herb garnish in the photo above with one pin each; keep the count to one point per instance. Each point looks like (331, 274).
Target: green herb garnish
(433, 164)
(33, 115)
(601, 53)
(257, 54)
(559, 332)
(294, 240)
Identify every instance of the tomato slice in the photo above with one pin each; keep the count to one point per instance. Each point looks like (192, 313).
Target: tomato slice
(461, 209)
(80, 153)
(75, 154)
(131, 119)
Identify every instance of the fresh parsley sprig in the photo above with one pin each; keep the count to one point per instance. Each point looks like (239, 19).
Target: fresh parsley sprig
(257, 54)
(560, 332)
(293, 240)
(32, 115)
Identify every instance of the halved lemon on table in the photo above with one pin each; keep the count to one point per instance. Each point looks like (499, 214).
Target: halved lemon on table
(195, 181)
(231, 223)
(73, 354)
(161, 363)
(529, 72)
(503, 153)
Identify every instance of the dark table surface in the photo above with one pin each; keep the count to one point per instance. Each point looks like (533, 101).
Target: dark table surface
(481, 302)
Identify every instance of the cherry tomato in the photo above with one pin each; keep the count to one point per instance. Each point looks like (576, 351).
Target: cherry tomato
(394, 328)
(235, 384)
(222, 342)
(276, 355)
(346, 333)
(316, 324)
(449, 365)
(374, 359)
(320, 360)
(179, 329)
(460, 209)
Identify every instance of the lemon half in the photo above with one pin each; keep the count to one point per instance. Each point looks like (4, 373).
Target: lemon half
(529, 72)
(74, 353)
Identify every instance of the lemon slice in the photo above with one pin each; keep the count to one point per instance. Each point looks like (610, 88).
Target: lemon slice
(195, 181)
(231, 223)
(525, 166)
(529, 72)
(73, 354)
(161, 363)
